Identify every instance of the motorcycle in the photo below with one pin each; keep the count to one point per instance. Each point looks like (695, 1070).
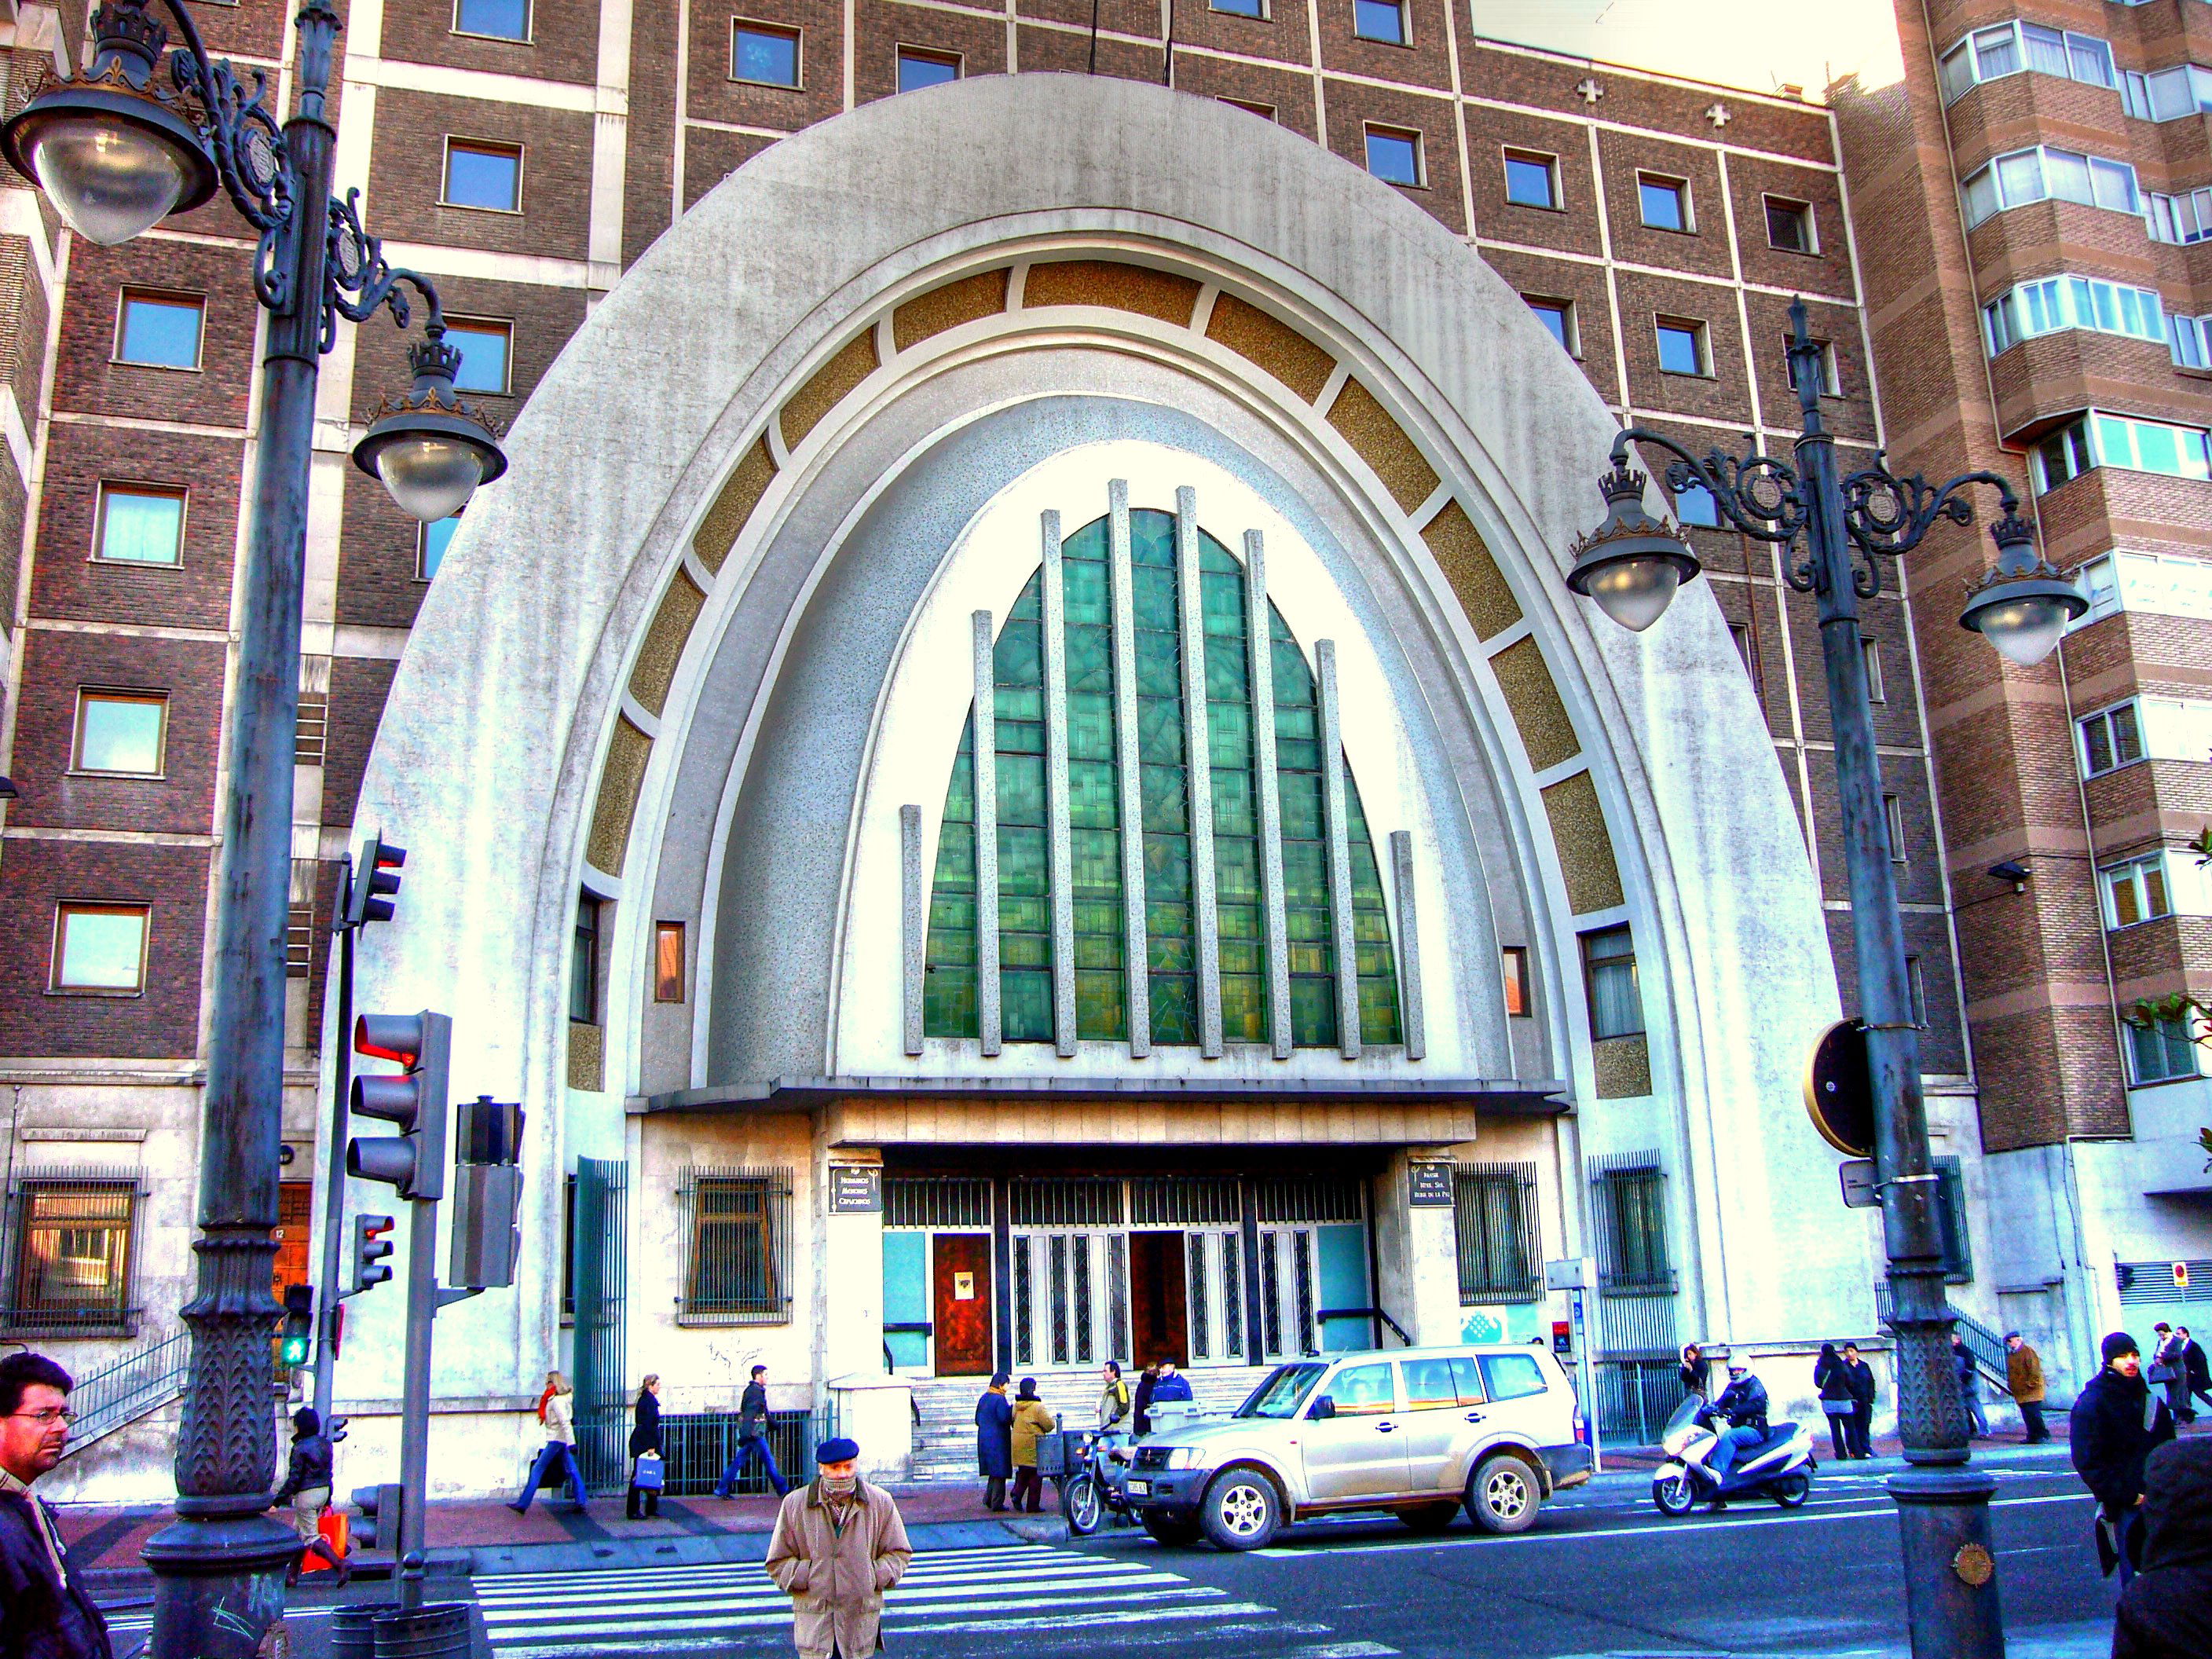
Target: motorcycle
(1095, 1491)
(1781, 1466)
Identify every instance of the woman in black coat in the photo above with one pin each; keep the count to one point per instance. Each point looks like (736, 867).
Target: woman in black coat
(994, 1441)
(1693, 1370)
(644, 1438)
(1834, 1382)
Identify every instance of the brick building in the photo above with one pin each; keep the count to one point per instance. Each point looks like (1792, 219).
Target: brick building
(527, 154)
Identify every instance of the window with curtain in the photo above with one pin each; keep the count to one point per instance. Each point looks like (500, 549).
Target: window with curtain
(1616, 1003)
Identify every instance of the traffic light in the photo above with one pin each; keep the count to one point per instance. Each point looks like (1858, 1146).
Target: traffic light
(378, 1527)
(335, 1429)
(375, 882)
(487, 1194)
(299, 1324)
(414, 1160)
(372, 1242)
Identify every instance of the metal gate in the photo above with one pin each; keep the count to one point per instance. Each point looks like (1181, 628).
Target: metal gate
(1635, 1362)
(595, 1244)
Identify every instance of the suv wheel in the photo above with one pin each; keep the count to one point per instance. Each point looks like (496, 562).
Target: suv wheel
(1240, 1510)
(1174, 1529)
(1503, 1494)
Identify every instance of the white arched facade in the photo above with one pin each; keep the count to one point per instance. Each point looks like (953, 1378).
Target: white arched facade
(691, 658)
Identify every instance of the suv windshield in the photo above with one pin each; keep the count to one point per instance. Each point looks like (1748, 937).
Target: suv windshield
(1283, 1392)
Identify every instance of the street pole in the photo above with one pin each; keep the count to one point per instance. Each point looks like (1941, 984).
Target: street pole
(219, 1568)
(1951, 1594)
(415, 1388)
(334, 1163)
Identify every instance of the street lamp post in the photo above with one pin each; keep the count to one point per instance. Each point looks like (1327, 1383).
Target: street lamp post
(1631, 565)
(116, 149)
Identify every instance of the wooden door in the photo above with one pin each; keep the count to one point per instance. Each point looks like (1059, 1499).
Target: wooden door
(1159, 1327)
(962, 1287)
(294, 1229)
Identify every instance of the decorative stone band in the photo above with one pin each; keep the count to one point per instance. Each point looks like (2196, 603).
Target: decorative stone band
(1305, 368)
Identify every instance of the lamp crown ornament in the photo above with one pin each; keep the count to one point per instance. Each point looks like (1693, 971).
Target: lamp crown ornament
(128, 35)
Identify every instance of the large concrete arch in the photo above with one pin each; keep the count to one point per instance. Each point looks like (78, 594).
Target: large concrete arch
(602, 656)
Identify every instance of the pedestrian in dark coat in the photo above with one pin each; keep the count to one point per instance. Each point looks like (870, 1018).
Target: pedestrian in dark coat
(1861, 1439)
(752, 1440)
(2199, 1373)
(1970, 1385)
(645, 1442)
(2167, 1612)
(45, 1611)
(306, 1488)
(2116, 1423)
(1837, 1405)
(1693, 1370)
(1147, 1380)
(2024, 1377)
(994, 1442)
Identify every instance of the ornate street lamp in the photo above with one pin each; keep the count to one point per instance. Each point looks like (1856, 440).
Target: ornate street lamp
(1631, 565)
(146, 132)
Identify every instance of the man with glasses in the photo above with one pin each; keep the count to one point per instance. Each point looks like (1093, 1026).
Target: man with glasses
(45, 1613)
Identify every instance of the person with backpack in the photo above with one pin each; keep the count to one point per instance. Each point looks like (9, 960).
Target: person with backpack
(752, 1439)
(648, 1467)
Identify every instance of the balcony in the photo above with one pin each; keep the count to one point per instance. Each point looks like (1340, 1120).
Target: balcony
(2053, 376)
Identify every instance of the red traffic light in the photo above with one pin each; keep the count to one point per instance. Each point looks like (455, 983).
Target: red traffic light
(390, 1036)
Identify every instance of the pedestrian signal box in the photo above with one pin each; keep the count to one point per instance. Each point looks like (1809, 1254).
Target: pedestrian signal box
(1563, 1340)
(299, 1324)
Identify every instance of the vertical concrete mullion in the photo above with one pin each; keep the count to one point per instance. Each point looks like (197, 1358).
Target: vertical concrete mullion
(1135, 943)
(1198, 770)
(1260, 635)
(988, 1012)
(1057, 833)
(1409, 946)
(1339, 853)
(913, 922)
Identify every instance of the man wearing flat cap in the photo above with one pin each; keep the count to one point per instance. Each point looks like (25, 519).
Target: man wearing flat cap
(839, 1545)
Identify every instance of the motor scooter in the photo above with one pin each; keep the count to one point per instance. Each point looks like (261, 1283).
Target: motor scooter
(1781, 1466)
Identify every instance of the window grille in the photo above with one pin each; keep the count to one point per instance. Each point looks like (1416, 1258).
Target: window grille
(1302, 1279)
(1271, 1300)
(1025, 1350)
(1311, 1198)
(1494, 1212)
(2141, 1282)
(1081, 1276)
(71, 1252)
(1232, 1296)
(739, 1223)
(1056, 1255)
(1951, 1218)
(936, 1202)
(1184, 1201)
(1066, 1201)
(1630, 1195)
(311, 741)
(1194, 1259)
(1117, 1291)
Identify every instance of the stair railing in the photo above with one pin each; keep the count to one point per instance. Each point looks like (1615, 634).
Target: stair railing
(144, 1380)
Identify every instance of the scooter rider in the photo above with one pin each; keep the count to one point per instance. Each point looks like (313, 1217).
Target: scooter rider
(1742, 1406)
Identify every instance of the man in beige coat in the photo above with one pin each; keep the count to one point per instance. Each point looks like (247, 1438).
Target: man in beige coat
(838, 1546)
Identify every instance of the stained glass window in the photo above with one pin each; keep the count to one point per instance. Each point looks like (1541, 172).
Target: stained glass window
(1097, 820)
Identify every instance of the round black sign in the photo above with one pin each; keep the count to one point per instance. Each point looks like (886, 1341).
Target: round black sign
(1839, 1093)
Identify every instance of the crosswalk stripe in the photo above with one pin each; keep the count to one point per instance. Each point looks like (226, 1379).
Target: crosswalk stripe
(520, 1628)
(942, 1561)
(768, 1594)
(754, 1579)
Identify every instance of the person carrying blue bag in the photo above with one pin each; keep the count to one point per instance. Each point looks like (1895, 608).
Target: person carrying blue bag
(648, 1472)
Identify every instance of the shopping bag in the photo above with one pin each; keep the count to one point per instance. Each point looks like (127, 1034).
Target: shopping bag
(336, 1530)
(651, 1472)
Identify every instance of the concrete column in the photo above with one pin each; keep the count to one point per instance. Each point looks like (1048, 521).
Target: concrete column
(1198, 769)
(1259, 635)
(1339, 851)
(1135, 940)
(1410, 1013)
(988, 1015)
(1059, 841)
(1416, 1253)
(871, 1405)
(913, 926)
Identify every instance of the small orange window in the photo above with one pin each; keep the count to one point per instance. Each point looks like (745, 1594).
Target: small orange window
(668, 962)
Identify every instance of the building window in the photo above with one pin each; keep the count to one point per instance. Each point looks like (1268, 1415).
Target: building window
(1240, 9)
(584, 963)
(431, 541)
(1831, 384)
(2063, 302)
(486, 176)
(139, 524)
(2032, 175)
(1616, 1003)
(1381, 19)
(1394, 156)
(569, 1251)
(497, 19)
(2102, 440)
(484, 348)
(2137, 891)
(2064, 454)
(1532, 179)
(2181, 219)
(1557, 317)
(918, 69)
(100, 950)
(668, 962)
(1740, 637)
(737, 1222)
(2166, 94)
(1951, 1218)
(69, 1260)
(1790, 226)
(1916, 988)
(766, 55)
(1681, 346)
(1513, 963)
(1265, 112)
(1990, 54)
(2163, 584)
(2163, 1051)
(1892, 824)
(1632, 1258)
(1870, 652)
(1694, 505)
(1494, 1217)
(1665, 202)
(2109, 739)
(125, 733)
(161, 331)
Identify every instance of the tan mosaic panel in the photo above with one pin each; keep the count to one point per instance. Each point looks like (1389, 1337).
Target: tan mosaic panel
(1585, 845)
(588, 1057)
(664, 643)
(954, 303)
(1277, 347)
(619, 782)
(718, 533)
(1108, 282)
(1546, 732)
(1474, 574)
(851, 365)
(1382, 444)
(1623, 1066)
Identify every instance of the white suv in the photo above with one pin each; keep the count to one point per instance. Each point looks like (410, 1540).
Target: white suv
(1418, 1431)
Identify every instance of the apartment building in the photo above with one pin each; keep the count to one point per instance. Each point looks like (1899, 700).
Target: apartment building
(527, 155)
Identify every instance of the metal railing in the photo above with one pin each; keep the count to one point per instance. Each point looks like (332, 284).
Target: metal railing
(697, 1446)
(142, 1381)
(1986, 1347)
(1635, 1398)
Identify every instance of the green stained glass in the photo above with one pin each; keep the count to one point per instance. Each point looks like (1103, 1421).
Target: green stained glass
(948, 994)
